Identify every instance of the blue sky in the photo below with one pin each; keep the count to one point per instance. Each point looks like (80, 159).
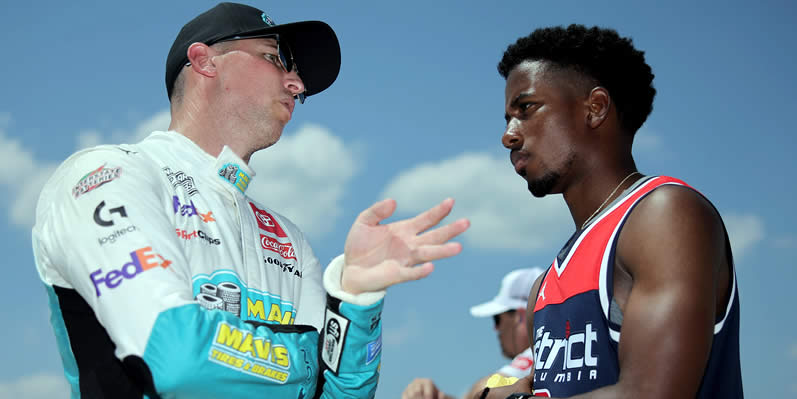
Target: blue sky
(417, 114)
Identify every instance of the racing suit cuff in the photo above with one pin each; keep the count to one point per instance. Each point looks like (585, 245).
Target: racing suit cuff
(332, 283)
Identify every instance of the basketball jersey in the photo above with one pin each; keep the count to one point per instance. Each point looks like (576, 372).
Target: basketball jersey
(577, 324)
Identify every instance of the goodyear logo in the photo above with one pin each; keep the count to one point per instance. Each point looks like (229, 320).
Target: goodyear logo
(241, 350)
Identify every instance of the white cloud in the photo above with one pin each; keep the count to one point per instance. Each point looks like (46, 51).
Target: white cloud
(487, 191)
(24, 176)
(89, 138)
(304, 177)
(92, 137)
(744, 231)
(36, 386)
(23, 208)
(159, 121)
(15, 161)
(23, 190)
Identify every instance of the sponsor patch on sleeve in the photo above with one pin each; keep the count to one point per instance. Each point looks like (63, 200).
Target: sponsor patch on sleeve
(94, 179)
(374, 348)
(335, 327)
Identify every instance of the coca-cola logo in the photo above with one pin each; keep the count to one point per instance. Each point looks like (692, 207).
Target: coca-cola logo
(285, 250)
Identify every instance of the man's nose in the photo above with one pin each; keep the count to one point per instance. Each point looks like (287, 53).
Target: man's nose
(511, 140)
(294, 83)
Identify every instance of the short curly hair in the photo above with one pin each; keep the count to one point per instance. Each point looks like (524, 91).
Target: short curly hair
(598, 53)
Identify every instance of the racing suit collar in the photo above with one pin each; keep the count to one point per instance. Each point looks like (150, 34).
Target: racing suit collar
(230, 170)
(233, 170)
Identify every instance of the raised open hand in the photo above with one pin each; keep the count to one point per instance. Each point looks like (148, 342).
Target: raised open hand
(380, 255)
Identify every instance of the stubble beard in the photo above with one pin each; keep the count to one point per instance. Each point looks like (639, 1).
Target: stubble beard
(544, 185)
(269, 132)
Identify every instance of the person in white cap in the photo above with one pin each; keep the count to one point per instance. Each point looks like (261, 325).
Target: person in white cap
(508, 310)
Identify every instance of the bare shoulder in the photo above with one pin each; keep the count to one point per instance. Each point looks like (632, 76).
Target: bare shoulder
(674, 234)
(670, 218)
(673, 247)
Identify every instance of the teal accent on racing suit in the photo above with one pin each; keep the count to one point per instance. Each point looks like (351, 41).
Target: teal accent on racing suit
(166, 280)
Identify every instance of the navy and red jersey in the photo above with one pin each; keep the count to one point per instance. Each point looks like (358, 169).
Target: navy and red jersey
(577, 324)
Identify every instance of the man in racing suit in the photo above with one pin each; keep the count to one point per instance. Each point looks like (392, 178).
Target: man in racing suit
(166, 280)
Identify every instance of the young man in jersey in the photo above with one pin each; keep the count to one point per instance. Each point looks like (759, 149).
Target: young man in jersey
(508, 310)
(641, 302)
(166, 279)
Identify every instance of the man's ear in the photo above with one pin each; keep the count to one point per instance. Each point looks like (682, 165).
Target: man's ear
(598, 105)
(200, 56)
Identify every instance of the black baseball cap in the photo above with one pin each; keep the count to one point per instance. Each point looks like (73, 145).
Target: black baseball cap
(314, 45)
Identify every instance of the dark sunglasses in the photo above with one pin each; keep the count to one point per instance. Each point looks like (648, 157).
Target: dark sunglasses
(286, 61)
(497, 317)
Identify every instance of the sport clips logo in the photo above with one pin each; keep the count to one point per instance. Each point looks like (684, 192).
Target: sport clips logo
(141, 260)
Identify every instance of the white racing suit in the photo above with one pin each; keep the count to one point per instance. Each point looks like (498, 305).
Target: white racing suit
(520, 365)
(166, 280)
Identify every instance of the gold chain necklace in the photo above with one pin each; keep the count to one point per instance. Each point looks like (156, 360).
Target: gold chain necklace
(607, 199)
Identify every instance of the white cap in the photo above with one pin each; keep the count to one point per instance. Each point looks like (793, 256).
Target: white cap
(514, 293)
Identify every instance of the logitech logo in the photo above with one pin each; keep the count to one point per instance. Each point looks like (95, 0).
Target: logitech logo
(111, 238)
(106, 222)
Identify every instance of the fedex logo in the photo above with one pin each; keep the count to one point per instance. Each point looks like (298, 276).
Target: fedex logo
(189, 209)
(141, 260)
(266, 222)
(285, 250)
